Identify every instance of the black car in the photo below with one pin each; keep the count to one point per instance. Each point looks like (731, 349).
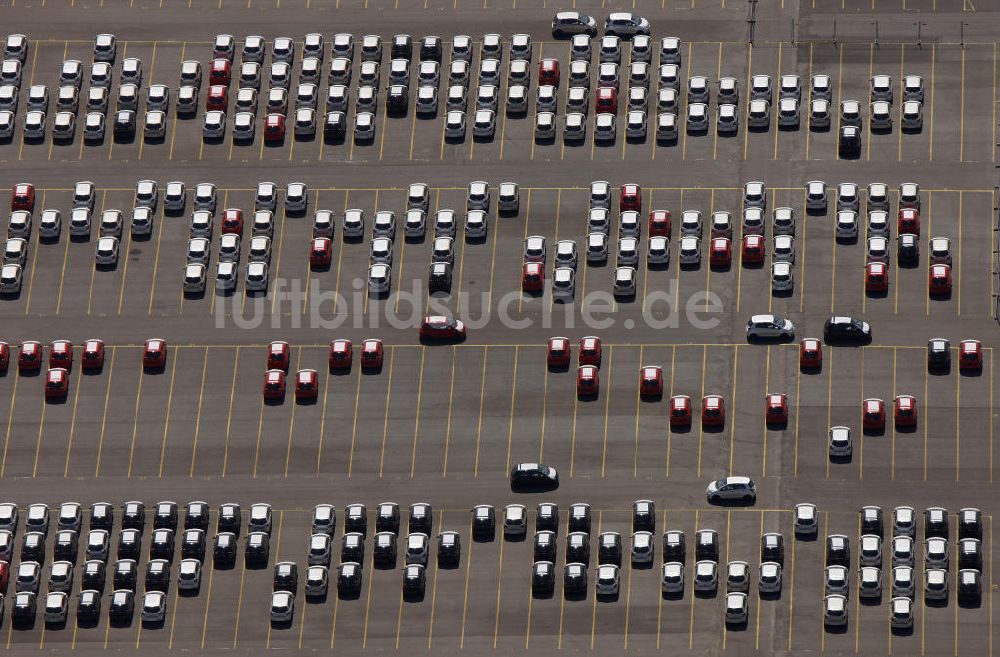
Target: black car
(484, 521)
(545, 546)
(384, 549)
(908, 249)
(439, 277)
(935, 522)
(134, 516)
(970, 588)
(846, 330)
(356, 519)
(102, 516)
(165, 516)
(938, 354)
(258, 548)
(579, 517)
(547, 517)
(124, 124)
(970, 554)
(387, 519)
(414, 577)
(122, 605)
(398, 99)
(162, 544)
(335, 126)
(126, 574)
(706, 545)
(196, 516)
(970, 523)
(838, 551)
(421, 518)
(609, 548)
(430, 49)
(643, 516)
(286, 576)
(575, 578)
(193, 544)
(129, 544)
(578, 547)
(23, 612)
(543, 578)
(33, 547)
(673, 546)
(533, 475)
(65, 547)
(158, 575)
(88, 606)
(93, 574)
(402, 47)
(772, 548)
(230, 518)
(352, 547)
(449, 548)
(224, 548)
(850, 141)
(349, 577)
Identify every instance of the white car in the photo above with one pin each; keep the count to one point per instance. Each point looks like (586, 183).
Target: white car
(635, 125)
(784, 249)
(881, 88)
(913, 115)
(79, 222)
(6, 124)
(225, 276)
(244, 126)
(835, 611)
(736, 608)
(672, 578)
(706, 576)
(364, 127)
(476, 226)
(195, 278)
(566, 254)
(564, 284)
(50, 224)
(821, 87)
(379, 278)
(732, 488)
(782, 279)
(545, 125)
(869, 582)
(737, 577)
(658, 251)
(760, 87)
(575, 127)
(624, 284)
(913, 88)
(761, 327)
(282, 606)
(788, 113)
(597, 247)
(15, 251)
(454, 127)
(901, 613)
(112, 223)
(608, 580)
(819, 113)
(759, 113)
(189, 573)
(214, 125)
(690, 250)
(10, 279)
(156, 125)
(727, 119)
(666, 127)
(847, 225)
(604, 127)
(256, 277)
(902, 581)
(840, 443)
(485, 124)
(880, 115)
(34, 124)
(697, 117)
(836, 580)
(142, 221)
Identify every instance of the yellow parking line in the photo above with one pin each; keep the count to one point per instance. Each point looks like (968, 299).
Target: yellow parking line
(892, 462)
(239, 601)
(277, 263)
(62, 275)
(993, 156)
(958, 260)
(527, 215)
(135, 419)
(961, 121)
(840, 80)
(607, 405)
(732, 410)
(809, 116)
(291, 421)
(593, 613)
(861, 446)
(798, 381)
(572, 448)
(871, 66)
(991, 416)
(545, 402)
(701, 431)
(416, 422)
(451, 396)
(930, 149)
(496, 622)
(659, 597)
(465, 601)
(156, 266)
(684, 136)
(767, 390)
(746, 102)
(10, 422)
(170, 403)
(899, 131)
(197, 423)
(104, 418)
(31, 276)
(758, 614)
(822, 625)
(925, 421)
(72, 424)
(479, 427)
(430, 624)
(670, 432)
(513, 398)
(802, 273)
(930, 220)
(777, 127)
(635, 456)
(152, 68)
(322, 422)
(385, 420)
(829, 404)
(229, 416)
(791, 585)
(260, 431)
(715, 135)
(691, 619)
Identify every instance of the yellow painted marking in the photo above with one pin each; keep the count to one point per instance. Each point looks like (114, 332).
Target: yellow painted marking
(135, 420)
(385, 424)
(930, 149)
(777, 128)
(229, 416)
(416, 422)
(260, 431)
(732, 411)
(746, 122)
(479, 427)
(291, 421)
(607, 406)
(166, 421)
(465, 601)
(701, 431)
(961, 122)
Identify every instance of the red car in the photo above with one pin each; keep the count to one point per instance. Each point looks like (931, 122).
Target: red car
(278, 356)
(630, 198)
(905, 411)
(321, 252)
(155, 353)
(876, 277)
(939, 279)
(548, 72)
(532, 277)
(61, 354)
(873, 415)
(274, 127)
(720, 254)
(590, 351)
(438, 327)
(659, 223)
(371, 354)
(558, 353)
(651, 381)
(29, 357)
(713, 411)
(680, 411)
(221, 72)
(908, 221)
(232, 221)
(23, 197)
(306, 384)
(274, 384)
(970, 355)
(4, 577)
(753, 249)
(93, 354)
(588, 381)
(606, 100)
(217, 98)
(810, 354)
(56, 383)
(341, 355)
(4, 357)
(776, 408)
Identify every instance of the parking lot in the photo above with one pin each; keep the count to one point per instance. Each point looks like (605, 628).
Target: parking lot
(443, 424)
